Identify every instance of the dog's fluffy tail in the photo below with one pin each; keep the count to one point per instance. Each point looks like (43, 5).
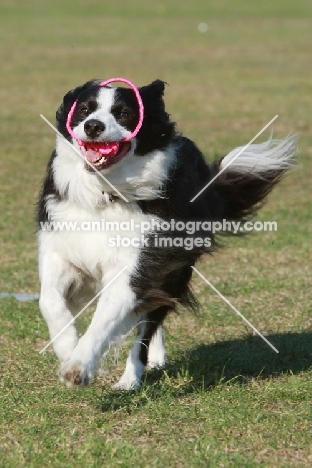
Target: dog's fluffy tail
(248, 176)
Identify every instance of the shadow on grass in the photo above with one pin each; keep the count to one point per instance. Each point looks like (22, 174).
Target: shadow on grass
(205, 366)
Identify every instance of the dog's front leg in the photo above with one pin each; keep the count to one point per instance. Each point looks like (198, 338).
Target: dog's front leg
(56, 276)
(114, 317)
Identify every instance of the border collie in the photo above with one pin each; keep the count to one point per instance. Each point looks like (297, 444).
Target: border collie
(137, 278)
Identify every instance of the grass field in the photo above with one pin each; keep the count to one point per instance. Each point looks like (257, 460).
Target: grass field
(225, 398)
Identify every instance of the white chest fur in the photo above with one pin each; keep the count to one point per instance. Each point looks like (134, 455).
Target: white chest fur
(96, 240)
(136, 177)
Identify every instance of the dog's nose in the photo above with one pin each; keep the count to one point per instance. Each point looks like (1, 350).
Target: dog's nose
(94, 127)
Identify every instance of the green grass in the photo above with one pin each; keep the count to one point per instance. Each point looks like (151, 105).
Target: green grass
(225, 398)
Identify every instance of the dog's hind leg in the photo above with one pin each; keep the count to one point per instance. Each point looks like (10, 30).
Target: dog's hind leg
(156, 350)
(148, 349)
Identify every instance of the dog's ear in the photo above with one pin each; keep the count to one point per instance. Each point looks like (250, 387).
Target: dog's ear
(157, 130)
(71, 97)
(152, 97)
(155, 90)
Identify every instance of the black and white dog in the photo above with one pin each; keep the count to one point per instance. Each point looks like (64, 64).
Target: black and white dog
(138, 280)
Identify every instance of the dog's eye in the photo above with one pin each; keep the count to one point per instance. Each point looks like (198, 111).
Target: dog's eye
(124, 114)
(83, 110)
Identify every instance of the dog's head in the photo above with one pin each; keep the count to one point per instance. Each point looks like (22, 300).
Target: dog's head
(105, 116)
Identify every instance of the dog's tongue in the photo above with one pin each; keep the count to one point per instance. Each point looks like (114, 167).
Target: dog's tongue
(95, 151)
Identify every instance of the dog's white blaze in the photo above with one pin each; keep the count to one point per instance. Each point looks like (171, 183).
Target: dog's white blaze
(113, 131)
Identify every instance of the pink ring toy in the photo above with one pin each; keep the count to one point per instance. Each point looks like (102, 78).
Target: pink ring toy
(105, 83)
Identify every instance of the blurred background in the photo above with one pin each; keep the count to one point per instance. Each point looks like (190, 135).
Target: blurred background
(230, 67)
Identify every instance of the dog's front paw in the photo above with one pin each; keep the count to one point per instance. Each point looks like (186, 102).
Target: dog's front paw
(75, 374)
(127, 384)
